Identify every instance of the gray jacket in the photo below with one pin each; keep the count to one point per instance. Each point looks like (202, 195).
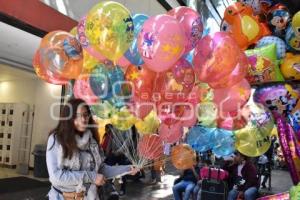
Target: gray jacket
(76, 174)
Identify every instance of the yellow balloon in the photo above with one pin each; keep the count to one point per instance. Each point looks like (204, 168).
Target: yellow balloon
(296, 24)
(89, 62)
(290, 67)
(207, 114)
(73, 31)
(109, 28)
(250, 27)
(123, 120)
(255, 138)
(149, 125)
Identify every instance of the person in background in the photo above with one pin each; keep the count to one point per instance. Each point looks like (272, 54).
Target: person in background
(186, 183)
(244, 178)
(197, 188)
(75, 161)
(263, 163)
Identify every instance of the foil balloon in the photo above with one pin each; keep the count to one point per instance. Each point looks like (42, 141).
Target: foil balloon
(132, 54)
(245, 28)
(150, 147)
(223, 142)
(280, 99)
(215, 56)
(61, 53)
(231, 99)
(73, 31)
(295, 192)
(183, 157)
(292, 39)
(290, 67)
(255, 138)
(82, 90)
(170, 134)
(282, 128)
(89, 62)
(149, 124)
(189, 117)
(254, 4)
(106, 81)
(85, 43)
(183, 73)
(279, 196)
(294, 120)
(190, 21)
(109, 29)
(280, 45)
(161, 42)
(263, 66)
(44, 73)
(296, 24)
(201, 138)
(233, 120)
(170, 113)
(278, 19)
(207, 114)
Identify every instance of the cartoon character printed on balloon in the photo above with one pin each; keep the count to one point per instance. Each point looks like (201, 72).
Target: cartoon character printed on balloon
(197, 30)
(283, 105)
(175, 86)
(129, 28)
(260, 69)
(278, 19)
(255, 4)
(148, 44)
(72, 48)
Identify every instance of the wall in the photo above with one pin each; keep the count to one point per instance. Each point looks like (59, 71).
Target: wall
(45, 96)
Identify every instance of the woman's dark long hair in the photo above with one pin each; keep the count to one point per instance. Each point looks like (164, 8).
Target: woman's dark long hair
(65, 131)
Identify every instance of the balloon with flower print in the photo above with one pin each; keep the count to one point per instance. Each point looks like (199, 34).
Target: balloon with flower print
(109, 29)
(161, 42)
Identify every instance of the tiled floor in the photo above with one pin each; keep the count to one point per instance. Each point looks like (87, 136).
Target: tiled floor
(281, 182)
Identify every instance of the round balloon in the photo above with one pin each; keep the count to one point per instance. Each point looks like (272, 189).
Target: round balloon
(255, 139)
(149, 124)
(215, 56)
(190, 21)
(231, 99)
(103, 110)
(207, 114)
(105, 81)
(170, 134)
(201, 138)
(132, 54)
(123, 120)
(223, 142)
(82, 90)
(150, 147)
(280, 45)
(109, 28)
(44, 73)
(290, 67)
(161, 42)
(183, 157)
(61, 53)
(184, 74)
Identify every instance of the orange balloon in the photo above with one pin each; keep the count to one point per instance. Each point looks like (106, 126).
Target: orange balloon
(244, 27)
(183, 157)
(215, 57)
(61, 53)
(46, 75)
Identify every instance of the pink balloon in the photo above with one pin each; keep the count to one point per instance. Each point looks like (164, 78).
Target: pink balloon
(170, 134)
(190, 21)
(233, 98)
(233, 120)
(141, 109)
(85, 42)
(237, 75)
(83, 90)
(150, 146)
(215, 57)
(189, 117)
(161, 42)
(184, 74)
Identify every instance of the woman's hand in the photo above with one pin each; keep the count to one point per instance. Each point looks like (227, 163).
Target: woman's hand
(134, 170)
(100, 180)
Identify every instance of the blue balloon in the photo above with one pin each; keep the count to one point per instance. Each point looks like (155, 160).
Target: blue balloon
(132, 54)
(106, 81)
(280, 45)
(189, 56)
(223, 142)
(200, 138)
